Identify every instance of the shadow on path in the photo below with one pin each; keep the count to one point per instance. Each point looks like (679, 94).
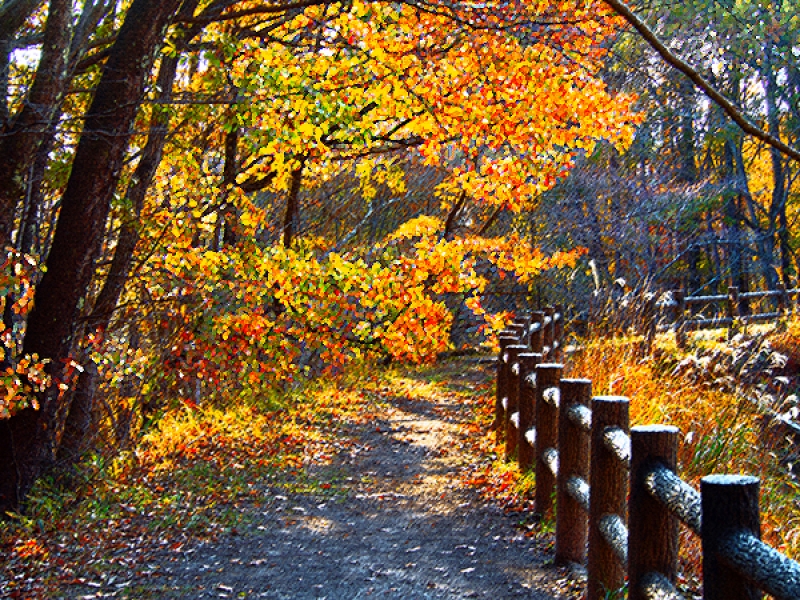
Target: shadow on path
(403, 525)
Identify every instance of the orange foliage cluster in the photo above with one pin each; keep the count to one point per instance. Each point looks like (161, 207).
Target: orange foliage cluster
(21, 375)
(499, 97)
(299, 309)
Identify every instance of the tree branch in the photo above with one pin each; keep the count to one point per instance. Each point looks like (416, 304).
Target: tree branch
(619, 7)
(13, 14)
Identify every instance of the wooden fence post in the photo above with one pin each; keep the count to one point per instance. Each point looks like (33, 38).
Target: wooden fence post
(548, 332)
(734, 311)
(521, 331)
(573, 458)
(730, 506)
(512, 406)
(558, 333)
(537, 337)
(524, 321)
(652, 530)
(608, 485)
(527, 397)
(548, 376)
(680, 317)
(505, 339)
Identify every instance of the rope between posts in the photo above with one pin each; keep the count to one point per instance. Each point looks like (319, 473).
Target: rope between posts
(619, 443)
(679, 497)
(581, 416)
(578, 488)
(648, 454)
(615, 533)
(550, 458)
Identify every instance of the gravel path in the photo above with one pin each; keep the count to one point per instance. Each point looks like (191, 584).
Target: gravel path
(401, 525)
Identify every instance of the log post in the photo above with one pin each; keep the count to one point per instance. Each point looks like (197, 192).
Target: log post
(512, 406)
(680, 317)
(573, 458)
(522, 324)
(548, 377)
(558, 333)
(730, 506)
(520, 330)
(652, 530)
(527, 397)
(548, 331)
(537, 336)
(505, 339)
(608, 484)
(733, 309)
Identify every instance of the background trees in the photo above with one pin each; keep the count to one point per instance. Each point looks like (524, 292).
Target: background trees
(694, 202)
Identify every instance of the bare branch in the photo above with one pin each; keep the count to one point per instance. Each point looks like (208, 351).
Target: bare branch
(13, 15)
(736, 115)
(261, 10)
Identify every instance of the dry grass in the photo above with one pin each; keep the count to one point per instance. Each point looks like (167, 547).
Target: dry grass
(722, 431)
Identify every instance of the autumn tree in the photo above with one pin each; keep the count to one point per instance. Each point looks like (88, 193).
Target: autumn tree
(193, 113)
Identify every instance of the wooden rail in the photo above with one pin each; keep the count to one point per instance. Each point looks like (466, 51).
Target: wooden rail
(617, 490)
(729, 313)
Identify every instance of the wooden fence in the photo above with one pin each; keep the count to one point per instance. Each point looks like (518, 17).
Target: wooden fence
(690, 313)
(619, 499)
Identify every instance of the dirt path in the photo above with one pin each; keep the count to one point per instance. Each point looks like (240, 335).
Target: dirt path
(400, 525)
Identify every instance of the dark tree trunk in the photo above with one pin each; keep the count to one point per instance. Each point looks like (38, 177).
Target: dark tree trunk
(780, 191)
(687, 173)
(29, 440)
(686, 141)
(137, 192)
(787, 269)
(78, 431)
(23, 133)
(714, 255)
(452, 216)
(733, 217)
(292, 205)
(79, 428)
(231, 214)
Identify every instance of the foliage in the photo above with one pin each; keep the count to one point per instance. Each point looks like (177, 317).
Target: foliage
(201, 474)
(192, 478)
(216, 335)
(691, 203)
(22, 374)
(164, 266)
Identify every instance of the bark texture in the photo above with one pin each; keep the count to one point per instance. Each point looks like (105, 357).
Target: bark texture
(29, 440)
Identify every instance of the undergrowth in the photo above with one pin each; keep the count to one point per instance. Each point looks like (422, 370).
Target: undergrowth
(722, 429)
(196, 471)
(191, 477)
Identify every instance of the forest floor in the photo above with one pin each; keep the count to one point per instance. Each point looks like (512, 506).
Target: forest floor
(400, 511)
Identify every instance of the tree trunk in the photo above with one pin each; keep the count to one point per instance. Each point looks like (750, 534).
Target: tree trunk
(24, 133)
(780, 191)
(736, 262)
(764, 236)
(29, 440)
(230, 235)
(82, 402)
(292, 205)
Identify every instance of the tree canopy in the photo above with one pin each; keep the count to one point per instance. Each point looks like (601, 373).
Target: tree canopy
(210, 198)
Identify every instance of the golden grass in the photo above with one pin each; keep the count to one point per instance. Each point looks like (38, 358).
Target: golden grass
(722, 431)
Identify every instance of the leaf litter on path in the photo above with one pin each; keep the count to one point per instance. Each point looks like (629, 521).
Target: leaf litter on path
(371, 507)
